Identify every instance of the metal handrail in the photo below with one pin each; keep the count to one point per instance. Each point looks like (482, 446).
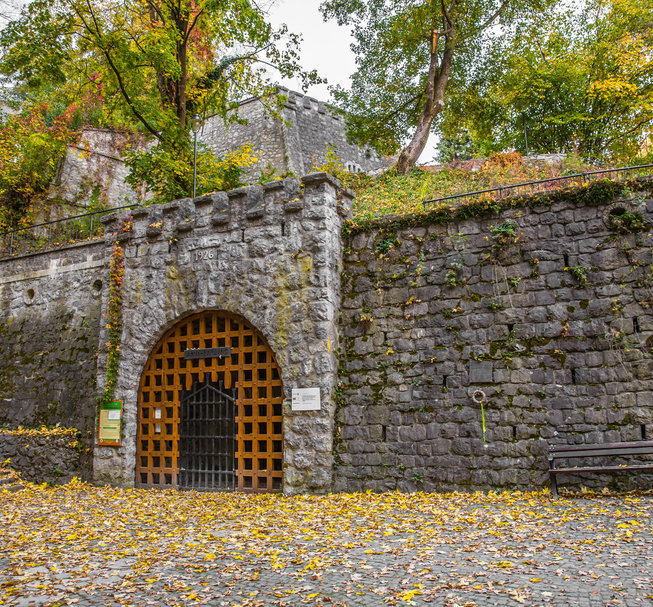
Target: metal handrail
(58, 233)
(530, 185)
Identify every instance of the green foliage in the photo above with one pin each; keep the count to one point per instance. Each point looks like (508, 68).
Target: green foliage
(269, 174)
(579, 76)
(154, 167)
(29, 151)
(627, 222)
(392, 194)
(456, 147)
(332, 163)
(594, 193)
(505, 234)
(408, 51)
(496, 306)
(580, 274)
(385, 242)
(453, 276)
(114, 320)
(148, 67)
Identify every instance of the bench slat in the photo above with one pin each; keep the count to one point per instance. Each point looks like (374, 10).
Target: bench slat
(553, 471)
(592, 452)
(601, 446)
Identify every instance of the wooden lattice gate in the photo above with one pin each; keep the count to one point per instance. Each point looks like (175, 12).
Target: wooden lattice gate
(201, 408)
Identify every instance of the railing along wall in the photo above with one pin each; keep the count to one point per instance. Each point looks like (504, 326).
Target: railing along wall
(543, 185)
(52, 234)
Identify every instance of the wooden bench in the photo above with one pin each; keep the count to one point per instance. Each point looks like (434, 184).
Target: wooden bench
(606, 449)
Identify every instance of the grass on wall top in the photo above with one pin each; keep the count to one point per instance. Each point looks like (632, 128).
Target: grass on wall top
(392, 194)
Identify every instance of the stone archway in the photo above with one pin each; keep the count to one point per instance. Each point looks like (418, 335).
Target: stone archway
(211, 419)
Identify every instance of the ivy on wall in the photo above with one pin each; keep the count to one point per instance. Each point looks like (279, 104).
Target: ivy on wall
(114, 314)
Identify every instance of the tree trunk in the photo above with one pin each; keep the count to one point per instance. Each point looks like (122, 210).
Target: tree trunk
(435, 88)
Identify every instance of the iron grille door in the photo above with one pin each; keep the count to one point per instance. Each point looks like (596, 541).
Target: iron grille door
(207, 437)
(250, 375)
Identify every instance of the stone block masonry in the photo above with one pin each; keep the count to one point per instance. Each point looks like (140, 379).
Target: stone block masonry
(545, 307)
(271, 254)
(547, 310)
(295, 143)
(49, 330)
(44, 456)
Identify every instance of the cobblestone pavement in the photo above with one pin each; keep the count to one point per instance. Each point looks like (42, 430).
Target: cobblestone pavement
(87, 546)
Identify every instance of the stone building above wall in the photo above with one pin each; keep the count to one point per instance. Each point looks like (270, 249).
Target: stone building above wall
(296, 144)
(93, 170)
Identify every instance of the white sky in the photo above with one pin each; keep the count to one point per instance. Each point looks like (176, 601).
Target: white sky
(326, 48)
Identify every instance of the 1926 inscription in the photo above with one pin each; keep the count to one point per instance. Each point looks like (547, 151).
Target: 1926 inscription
(203, 255)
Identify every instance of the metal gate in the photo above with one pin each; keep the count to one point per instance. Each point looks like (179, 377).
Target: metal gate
(207, 359)
(207, 441)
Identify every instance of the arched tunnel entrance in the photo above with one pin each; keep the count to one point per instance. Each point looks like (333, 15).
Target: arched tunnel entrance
(210, 409)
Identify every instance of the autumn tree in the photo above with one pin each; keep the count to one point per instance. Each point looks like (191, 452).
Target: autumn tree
(408, 51)
(30, 145)
(151, 64)
(581, 80)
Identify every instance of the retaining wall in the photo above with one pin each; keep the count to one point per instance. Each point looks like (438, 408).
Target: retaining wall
(545, 307)
(43, 456)
(49, 330)
(555, 328)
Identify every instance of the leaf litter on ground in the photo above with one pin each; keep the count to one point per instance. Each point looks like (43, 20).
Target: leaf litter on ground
(175, 548)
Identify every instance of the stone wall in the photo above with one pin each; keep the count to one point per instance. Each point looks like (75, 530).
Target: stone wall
(49, 330)
(93, 172)
(271, 254)
(44, 457)
(552, 322)
(545, 307)
(295, 146)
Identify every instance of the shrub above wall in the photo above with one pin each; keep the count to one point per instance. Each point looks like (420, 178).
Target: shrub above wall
(543, 303)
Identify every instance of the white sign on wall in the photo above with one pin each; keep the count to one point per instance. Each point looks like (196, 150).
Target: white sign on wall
(306, 399)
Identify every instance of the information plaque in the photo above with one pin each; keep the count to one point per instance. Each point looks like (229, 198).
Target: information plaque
(306, 399)
(110, 424)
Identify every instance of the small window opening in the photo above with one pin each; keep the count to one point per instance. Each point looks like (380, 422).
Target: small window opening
(510, 328)
(642, 429)
(242, 236)
(573, 376)
(283, 228)
(514, 433)
(636, 328)
(384, 434)
(566, 256)
(30, 293)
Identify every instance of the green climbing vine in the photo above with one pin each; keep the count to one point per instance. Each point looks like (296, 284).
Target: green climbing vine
(114, 315)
